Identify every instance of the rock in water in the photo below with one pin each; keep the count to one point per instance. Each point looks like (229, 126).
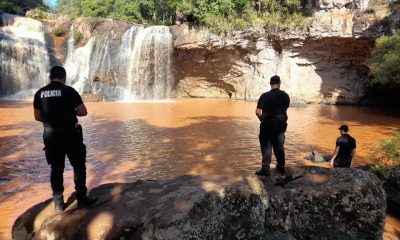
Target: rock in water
(324, 204)
(317, 157)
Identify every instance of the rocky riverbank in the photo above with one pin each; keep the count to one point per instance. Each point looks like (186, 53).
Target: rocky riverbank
(323, 204)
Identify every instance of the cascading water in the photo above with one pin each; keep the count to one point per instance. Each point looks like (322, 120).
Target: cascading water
(149, 73)
(136, 68)
(24, 60)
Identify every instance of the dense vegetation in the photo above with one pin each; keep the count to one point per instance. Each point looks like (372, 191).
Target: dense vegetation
(385, 69)
(385, 61)
(220, 16)
(386, 156)
(21, 6)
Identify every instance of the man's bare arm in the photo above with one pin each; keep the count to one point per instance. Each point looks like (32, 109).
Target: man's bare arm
(353, 154)
(259, 113)
(81, 110)
(38, 115)
(335, 153)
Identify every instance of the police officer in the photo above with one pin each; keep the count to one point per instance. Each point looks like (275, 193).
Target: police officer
(57, 107)
(345, 149)
(271, 111)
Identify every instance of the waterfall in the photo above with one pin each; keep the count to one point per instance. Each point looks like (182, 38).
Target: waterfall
(149, 73)
(24, 60)
(135, 67)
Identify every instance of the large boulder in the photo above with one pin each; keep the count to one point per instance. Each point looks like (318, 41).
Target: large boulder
(392, 189)
(323, 204)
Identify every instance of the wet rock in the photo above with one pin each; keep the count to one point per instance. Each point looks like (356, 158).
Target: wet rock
(321, 205)
(392, 189)
(318, 157)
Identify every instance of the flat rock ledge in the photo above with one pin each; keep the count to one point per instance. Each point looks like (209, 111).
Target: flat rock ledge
(323, 204)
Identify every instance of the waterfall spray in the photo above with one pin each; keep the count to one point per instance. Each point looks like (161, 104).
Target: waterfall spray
(24, 60)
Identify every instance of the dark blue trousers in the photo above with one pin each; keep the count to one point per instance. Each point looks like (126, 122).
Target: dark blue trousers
(272, 138)
(61, 142)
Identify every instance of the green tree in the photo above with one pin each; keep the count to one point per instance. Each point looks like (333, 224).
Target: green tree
(97, 8)
(385, 61)
(22, 6)
(221, 16)
(70, 7)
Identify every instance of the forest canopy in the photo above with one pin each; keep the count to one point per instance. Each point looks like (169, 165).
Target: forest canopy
(21, 6)
(220, 16)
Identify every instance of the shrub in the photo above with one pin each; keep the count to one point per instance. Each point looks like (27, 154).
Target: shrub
(391, 148)
(36, 13)
(386, 156)
(59, 32)
(381, 171)
(93, 22)
(78, 36)
(278, 21)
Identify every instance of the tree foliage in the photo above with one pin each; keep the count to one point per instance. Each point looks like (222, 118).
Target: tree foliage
(386, 156)
(385, 61)
(21, 6)
(70, 7)
(385, 69)
(220, 16)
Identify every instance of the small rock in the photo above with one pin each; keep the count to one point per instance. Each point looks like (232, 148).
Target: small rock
(318, 157)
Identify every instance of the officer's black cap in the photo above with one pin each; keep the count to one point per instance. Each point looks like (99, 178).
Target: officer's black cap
(275, 80)
(344, 128)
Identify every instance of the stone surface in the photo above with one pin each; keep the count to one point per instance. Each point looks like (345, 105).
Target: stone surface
(327, 69)
(392, 189)
(318, 157)
(323, 204)
(325, 63)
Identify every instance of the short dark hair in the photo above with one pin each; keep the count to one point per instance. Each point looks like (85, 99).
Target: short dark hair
(344, 128)
(275, 80)
(57, 72)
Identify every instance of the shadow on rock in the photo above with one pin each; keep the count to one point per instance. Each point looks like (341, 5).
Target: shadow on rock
(319, 205)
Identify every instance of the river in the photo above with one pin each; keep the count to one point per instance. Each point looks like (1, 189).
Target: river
(165, 139)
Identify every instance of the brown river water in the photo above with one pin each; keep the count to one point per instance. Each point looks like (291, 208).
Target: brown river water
(158, 140)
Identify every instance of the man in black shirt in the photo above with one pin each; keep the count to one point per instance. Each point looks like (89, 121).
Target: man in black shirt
(271, 110)
(57, 107)
(345, 149)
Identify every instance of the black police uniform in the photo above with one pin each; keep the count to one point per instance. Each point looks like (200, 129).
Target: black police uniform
(274, 105)
(346, 145)
(62, 135)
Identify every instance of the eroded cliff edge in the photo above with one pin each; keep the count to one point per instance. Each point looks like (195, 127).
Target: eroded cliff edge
(324, 204)
(324, 62)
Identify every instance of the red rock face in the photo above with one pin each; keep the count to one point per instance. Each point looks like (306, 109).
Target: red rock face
(313, 69)
(213, 73)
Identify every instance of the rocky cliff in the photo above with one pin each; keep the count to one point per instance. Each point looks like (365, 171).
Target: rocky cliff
(324, 61)
(323, 204)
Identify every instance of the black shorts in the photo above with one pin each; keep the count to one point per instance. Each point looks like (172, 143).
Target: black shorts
(342, 162)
